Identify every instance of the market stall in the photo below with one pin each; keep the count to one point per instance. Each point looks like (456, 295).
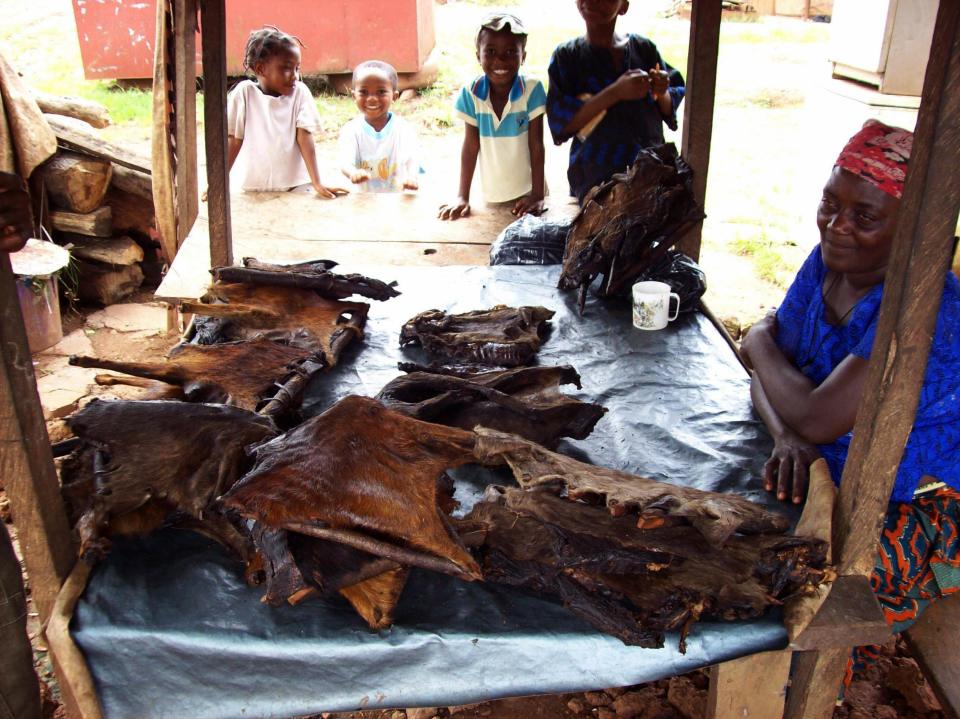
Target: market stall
(678, 410)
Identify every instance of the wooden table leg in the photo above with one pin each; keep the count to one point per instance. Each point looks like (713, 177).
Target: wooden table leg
(816, 682)
(753, 686)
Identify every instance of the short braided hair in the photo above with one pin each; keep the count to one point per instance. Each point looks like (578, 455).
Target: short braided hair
(385, 67)
(265, 43)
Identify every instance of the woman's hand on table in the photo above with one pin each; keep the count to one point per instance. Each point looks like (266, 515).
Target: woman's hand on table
(460, 207)
(788, 470)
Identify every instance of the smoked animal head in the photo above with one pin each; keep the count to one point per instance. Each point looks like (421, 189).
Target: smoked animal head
(288, 315)
(629, 222)
(501, 336)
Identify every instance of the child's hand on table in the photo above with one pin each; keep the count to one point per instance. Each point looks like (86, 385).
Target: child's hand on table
(458, 208)
(357, 176)
(329, 193)
(528, 205)
(632, 85)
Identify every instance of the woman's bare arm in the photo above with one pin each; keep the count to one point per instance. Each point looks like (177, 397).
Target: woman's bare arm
(819, 413)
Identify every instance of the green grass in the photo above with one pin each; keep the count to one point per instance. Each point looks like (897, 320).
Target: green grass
(134, 106)
(767, 260)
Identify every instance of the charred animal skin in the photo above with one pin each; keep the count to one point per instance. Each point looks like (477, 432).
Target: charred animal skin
(294, 317)
(523, 400)
(315, 275)
(652, 504)
(115, 482)
(343, 475)
(633, 583)
(501, 336)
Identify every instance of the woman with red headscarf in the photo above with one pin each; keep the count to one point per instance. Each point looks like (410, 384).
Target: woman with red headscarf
(809, 363)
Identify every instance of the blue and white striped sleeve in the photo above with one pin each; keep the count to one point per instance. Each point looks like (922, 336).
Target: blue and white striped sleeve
(536, 100)
(465, 107)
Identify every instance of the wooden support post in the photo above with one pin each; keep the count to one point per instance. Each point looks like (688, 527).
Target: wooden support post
(919, 260)
(185, 110)
(214, 39)
(753, 686)
(911, 297)
(25, 460)
(698, 104)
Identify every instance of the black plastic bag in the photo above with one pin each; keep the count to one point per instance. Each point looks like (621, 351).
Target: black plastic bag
(531, 241)
(682, 274)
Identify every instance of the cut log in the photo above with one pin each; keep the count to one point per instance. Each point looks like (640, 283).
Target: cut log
(73, 135)
(133, 181)
(92, 113)
(106, 285)
(130, 211)
(109, 251)
(98, 223)
(77, 182)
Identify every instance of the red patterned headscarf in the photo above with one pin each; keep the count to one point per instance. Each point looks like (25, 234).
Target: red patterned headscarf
(879, 154)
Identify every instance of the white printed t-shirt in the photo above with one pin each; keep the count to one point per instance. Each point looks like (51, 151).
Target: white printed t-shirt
(390, 155)
(269, 158)
(504, 150)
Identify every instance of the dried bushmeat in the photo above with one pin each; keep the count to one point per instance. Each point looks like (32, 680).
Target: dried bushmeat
(654, 504)
(364, 476)
(633, 583)
(243, 374)
(139, 465)
(525, 400)
(314, 275)
(290, 316)
(629, 222)
(501, 336)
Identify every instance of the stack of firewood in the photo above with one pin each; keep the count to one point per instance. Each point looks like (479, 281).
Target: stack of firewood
(100, 204)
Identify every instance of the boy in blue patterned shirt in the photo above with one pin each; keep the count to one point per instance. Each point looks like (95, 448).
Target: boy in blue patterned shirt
(503, 115)
(611, 93)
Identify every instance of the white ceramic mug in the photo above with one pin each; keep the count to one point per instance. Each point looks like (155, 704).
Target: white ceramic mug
(651, 305)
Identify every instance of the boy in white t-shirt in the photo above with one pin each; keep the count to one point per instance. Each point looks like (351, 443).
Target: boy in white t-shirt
(378, 149)
(503, 113)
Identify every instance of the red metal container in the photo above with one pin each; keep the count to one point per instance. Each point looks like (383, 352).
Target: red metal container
(117, 36)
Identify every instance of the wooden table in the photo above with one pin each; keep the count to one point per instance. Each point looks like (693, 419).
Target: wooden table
(360, 228)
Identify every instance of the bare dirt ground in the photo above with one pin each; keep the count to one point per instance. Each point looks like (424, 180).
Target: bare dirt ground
(775, 135)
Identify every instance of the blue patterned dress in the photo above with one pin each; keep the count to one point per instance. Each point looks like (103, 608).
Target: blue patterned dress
(919, 551)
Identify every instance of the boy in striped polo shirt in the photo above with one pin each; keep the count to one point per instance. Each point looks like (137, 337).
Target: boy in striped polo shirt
(503, 115)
